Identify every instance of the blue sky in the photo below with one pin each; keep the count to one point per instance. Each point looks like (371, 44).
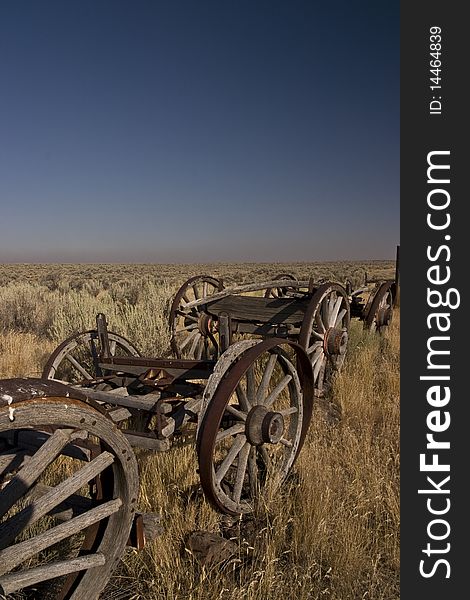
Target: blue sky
(198, 131)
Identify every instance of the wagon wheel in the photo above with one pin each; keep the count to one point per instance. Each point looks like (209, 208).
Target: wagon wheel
(93, 501)
(280, 292)
(255, 415)
(380, 313)
(193, 333)
(76, 359)
(324, 333)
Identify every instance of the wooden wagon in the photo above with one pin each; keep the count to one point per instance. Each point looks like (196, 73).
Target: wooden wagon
(68, 473)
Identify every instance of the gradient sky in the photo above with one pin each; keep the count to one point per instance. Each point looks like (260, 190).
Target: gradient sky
(198, 131)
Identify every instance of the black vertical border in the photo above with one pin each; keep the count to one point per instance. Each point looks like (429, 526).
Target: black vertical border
(421, 133)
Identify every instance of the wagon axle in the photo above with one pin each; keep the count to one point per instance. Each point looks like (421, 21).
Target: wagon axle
(264, 426)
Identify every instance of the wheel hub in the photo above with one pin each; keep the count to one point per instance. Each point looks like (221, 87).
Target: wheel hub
(335, 341)
(264, 426)
(206, 324)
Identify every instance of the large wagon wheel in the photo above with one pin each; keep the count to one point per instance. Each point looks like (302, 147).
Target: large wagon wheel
(193, 333)
(256, 411)
(380, 311)
(76, 360)
(280, 292)
(324, 333)
(61, 518)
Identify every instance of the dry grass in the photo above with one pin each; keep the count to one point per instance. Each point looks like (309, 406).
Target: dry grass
(332, 533)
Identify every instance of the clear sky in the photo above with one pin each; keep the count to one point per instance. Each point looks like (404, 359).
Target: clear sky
(198, 131)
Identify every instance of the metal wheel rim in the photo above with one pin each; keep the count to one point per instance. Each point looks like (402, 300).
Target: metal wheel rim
(237, 492)
(383, 299)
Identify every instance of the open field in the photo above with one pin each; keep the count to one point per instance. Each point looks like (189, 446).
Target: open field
(332, 533)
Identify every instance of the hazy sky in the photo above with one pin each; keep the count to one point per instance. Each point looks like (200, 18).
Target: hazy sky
(198, 131)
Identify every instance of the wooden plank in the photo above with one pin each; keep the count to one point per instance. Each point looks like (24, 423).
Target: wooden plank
(40, 507)
(15, 555)
(16, 581)
(146, 402)
(261, 310)
(146, 440)
(250, 287)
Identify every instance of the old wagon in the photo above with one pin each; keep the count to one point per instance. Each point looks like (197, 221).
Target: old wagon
(68, 473)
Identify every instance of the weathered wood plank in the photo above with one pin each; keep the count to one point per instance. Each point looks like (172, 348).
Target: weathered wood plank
(16, 581)
(250, 287)
(261, 310)
(19, 553)
(146, 440)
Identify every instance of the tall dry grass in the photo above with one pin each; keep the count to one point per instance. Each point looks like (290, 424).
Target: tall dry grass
(332, 532)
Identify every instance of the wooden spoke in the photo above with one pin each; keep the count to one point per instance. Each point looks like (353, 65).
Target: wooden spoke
(187, 328)
(21, 579)
(264, 384)
(190, 337)
(314, 349)
(277, 390)
(318, 366)
(233, 430)
(236, 413)
(335, 311)
(241, 472)
(237, 445)
(15, 555)
(265, 456)
(319, 322)
(112, 347)
(37, 509)
(287, 443)
(33, 469)
(242, 398)
(288, 411)
(250, 384)
(319, 352)
(340, 317)
(79, 367)
(253, 471)
(195, 344)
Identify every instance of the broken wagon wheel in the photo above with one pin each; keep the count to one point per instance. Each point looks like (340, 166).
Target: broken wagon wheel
(324, 333)
(54, 522)
(379, 316)
(256, 411)
(193, 333)
(76, 360)
(280, 292)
